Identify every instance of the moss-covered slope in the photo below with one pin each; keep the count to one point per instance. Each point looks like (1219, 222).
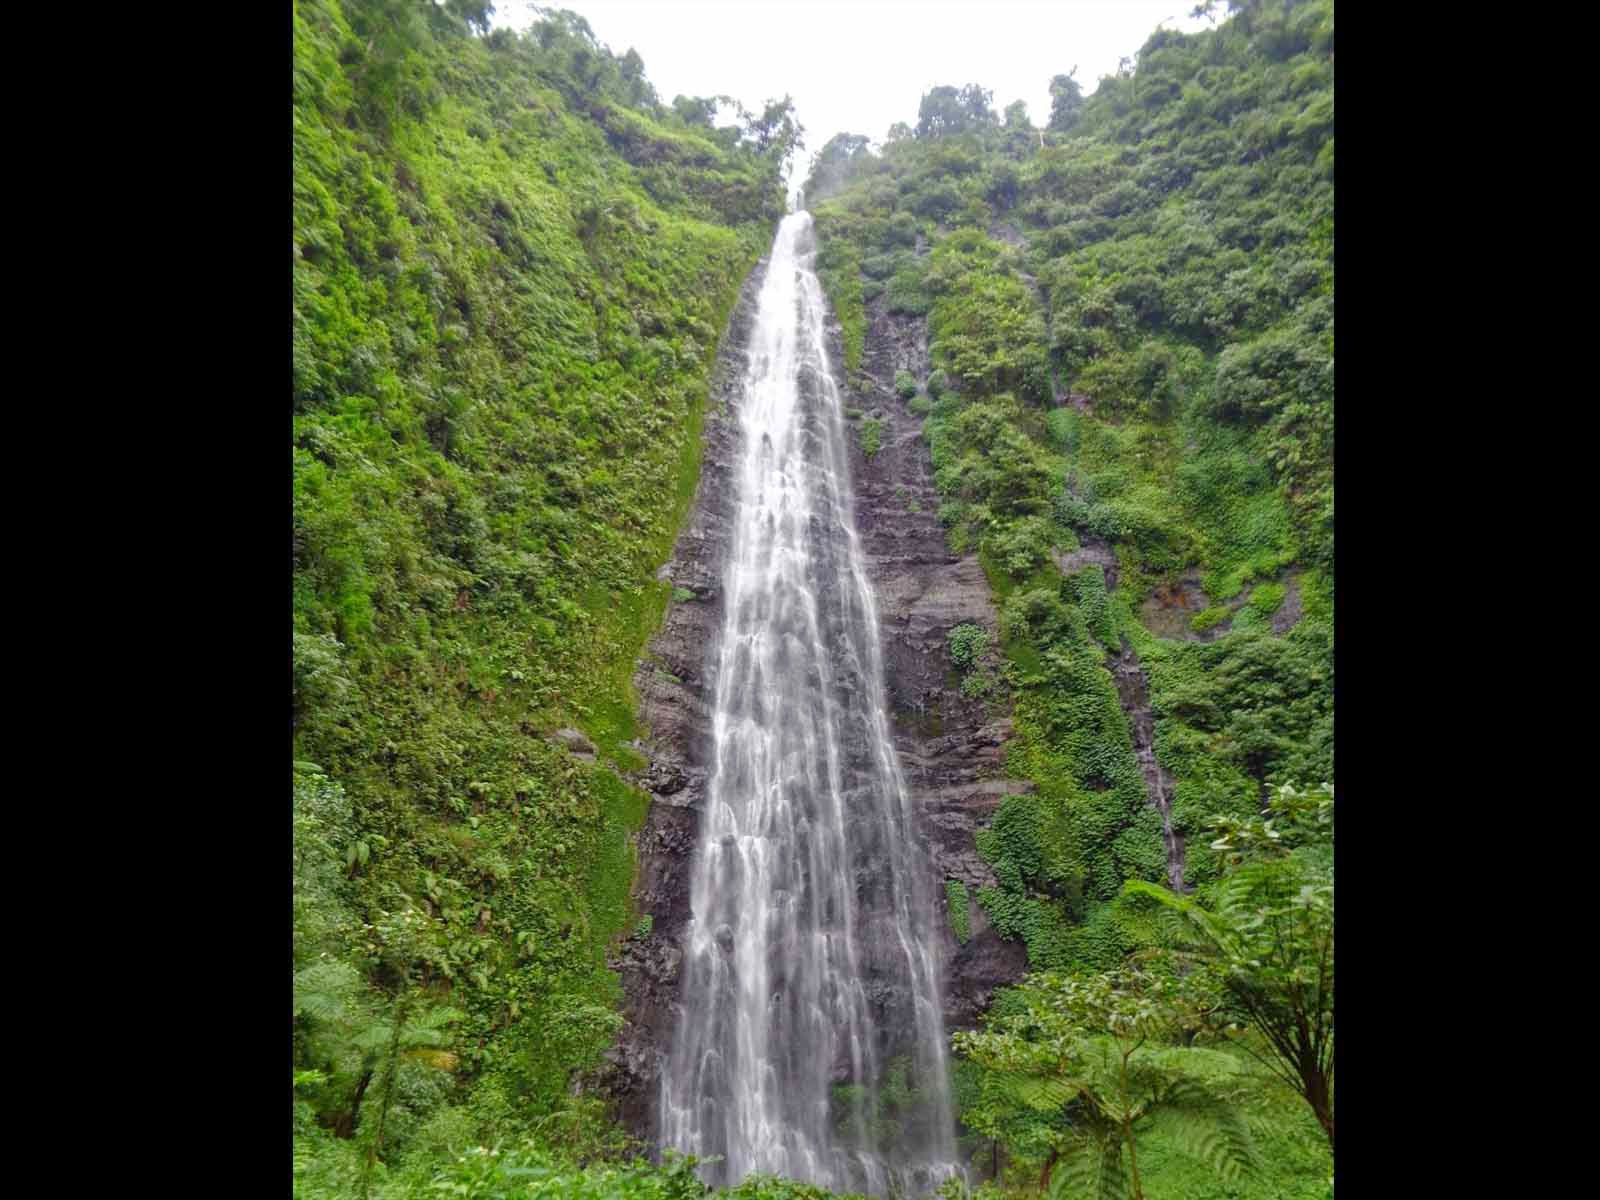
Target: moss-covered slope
(510, 269)
(1130, 419)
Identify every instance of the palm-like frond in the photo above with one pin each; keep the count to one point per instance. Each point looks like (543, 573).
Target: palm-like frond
(1090, 1169)
(325, 991)
(1210, 1126)
(428, 1028)
(1041, 1093)
(1176, 920)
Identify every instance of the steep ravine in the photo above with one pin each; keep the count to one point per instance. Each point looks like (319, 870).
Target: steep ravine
(950, 748)
(1133, 685)
(1133, 690)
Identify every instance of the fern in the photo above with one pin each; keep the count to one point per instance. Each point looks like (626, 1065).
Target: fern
(1263, 941)
(325, 991)
(1090, 1052)
(1038, 1092)
(1090, 1167)
(1211, 1128)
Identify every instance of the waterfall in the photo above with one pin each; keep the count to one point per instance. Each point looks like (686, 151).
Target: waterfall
(810, 1041)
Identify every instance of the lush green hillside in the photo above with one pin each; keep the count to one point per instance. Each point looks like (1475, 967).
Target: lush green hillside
(511, 267)
(1130, 316)
(512, 264)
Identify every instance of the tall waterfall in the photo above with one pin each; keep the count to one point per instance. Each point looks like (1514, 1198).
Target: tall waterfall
(810, 1042)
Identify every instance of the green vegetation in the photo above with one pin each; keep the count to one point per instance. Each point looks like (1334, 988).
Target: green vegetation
(1089, 1064)
(871, 433)
(955, 893)
(1178, 1063)
(1258, 947)
(968, 644)
(1130, 321)
(970, 652)
(511, 264)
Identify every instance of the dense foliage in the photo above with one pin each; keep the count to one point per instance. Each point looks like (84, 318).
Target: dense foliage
(1130, 315)
(1091, 1061)
(511, 266)
(1259, 945)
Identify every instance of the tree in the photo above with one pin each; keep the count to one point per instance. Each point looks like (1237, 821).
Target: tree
(1066, 102)
(699, 111)
(475, 13)
(831, 166)
(1259, 943)
(637, 88)
(1088, 1053)
(946, 110)
(775, 132)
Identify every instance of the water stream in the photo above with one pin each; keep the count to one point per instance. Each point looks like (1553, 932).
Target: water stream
(810, 1041)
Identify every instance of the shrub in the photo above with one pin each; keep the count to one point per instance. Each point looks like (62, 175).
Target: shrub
(871, 436)
(968, 644)
(905, 384)
(956, 897)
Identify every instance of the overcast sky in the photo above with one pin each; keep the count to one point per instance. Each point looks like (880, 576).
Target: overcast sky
(858, 66)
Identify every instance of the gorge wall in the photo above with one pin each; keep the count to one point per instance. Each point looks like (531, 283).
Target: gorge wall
(950, 747)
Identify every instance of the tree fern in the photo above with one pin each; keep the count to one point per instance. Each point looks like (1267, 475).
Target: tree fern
(1263, 943)
(1091, 1051)
(325, 991)
(1041, 1093)
(1090, 1169)
(1209, 1126)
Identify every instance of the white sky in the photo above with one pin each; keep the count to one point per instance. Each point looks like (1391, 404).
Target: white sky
(858, 66)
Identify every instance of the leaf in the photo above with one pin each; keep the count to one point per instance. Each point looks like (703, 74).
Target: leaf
(1038, 1092)
(1090, 1168)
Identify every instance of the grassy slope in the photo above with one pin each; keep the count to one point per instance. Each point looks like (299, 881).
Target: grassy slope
(1177, 271)
(507, 292)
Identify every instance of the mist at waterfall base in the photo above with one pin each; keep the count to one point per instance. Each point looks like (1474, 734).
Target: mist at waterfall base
(810, 1040)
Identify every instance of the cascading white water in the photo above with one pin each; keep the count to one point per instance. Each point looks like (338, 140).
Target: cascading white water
(810, 1042)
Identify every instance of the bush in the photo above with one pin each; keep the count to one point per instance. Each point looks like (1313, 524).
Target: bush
(871, 436)
(905, 384)
(956, 898)
(968, 644)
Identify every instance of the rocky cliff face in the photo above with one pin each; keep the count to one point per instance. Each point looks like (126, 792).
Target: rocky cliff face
(950, 748)
(674, 681)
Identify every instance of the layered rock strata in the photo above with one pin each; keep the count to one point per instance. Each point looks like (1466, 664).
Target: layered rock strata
(951, 748)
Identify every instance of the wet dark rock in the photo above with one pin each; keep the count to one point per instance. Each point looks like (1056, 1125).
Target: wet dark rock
(1288, 615)
(1133, 689)
(951, 749)
(1168, 610)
